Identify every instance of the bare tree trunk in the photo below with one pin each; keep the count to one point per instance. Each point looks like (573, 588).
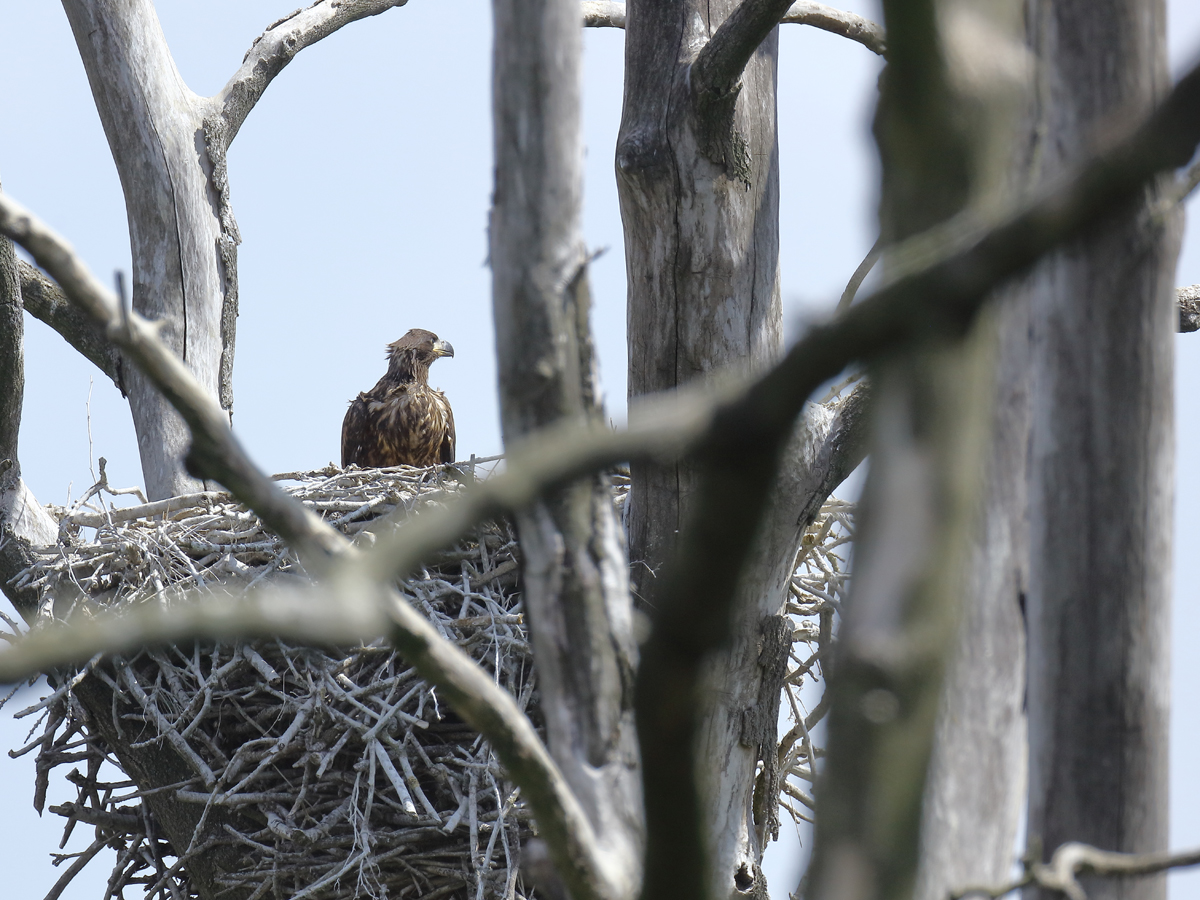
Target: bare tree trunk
(699, 194)
(699, 188)
(22, 519)
(574, 568)
(1101, 481)
(698, 177)
(155, 129)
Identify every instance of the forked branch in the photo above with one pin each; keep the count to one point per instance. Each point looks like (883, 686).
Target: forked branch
(611, 14)
(937, 288)
(718, 68)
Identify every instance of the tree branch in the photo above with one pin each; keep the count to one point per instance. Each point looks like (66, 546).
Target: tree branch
(278, 46)
(44, 300)
(1074, 859)
(941, 281)
(836, 21)
(719, 66)
(611, 14)
(215, 452)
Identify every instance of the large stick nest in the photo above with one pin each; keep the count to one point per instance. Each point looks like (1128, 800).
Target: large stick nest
(348, 776)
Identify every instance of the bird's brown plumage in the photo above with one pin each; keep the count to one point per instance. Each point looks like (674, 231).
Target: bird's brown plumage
(402, 421)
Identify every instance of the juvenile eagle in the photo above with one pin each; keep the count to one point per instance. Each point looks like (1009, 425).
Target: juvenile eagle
(402, 421)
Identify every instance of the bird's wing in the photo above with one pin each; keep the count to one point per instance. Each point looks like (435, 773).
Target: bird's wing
(354, 432)
(447, 448)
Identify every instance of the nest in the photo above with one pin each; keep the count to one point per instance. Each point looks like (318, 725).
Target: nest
(340, 771)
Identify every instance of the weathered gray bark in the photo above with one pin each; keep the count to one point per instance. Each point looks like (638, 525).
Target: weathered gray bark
(154, 126)
(574, 566)
(1101, 480)
(698, 179)
(23, 521)
(44, 300)
(701, 236)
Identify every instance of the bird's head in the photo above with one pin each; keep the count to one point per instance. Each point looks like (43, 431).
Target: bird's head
(411, 356)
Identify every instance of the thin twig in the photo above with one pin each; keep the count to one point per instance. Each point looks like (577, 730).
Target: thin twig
(860, 274)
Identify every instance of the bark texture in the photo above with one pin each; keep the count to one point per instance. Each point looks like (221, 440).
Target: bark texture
(976, 785)
(699, 191)
(1100, 493)
(698, 179)
(155, 130)
(22, 520)
(574, 568)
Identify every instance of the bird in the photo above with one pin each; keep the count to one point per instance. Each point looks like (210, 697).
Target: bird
(402, 421)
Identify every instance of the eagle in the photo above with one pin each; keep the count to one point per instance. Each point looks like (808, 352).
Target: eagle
(402, 421)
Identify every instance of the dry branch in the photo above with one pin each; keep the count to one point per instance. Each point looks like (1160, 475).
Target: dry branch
(1073, 859)
(939, 284)
(611, 14)
(836, 21)
(44, 300)
(1188, 299)
(278, 46)
(603, 14)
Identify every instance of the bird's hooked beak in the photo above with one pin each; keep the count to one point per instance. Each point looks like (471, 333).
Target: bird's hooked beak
(442, 348)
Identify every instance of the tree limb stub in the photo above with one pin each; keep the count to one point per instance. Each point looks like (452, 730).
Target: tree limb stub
(215, 452)
(45, 300)
(1073, 859)
(1189, 308)
(611, 14)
